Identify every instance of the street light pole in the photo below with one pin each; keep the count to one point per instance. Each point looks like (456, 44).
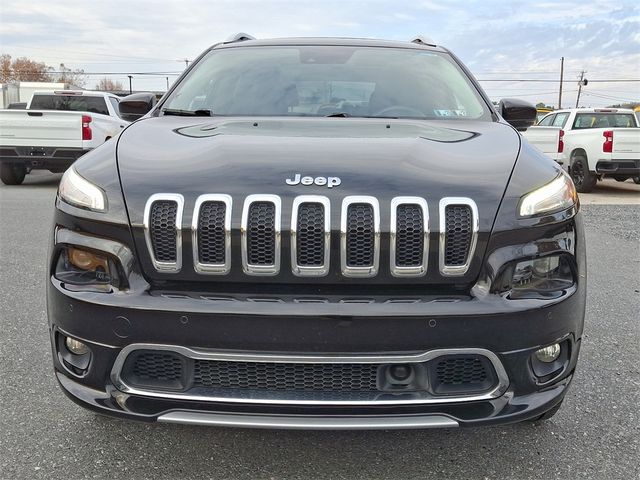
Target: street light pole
(561, 77)
(581, 82)
(130, 89)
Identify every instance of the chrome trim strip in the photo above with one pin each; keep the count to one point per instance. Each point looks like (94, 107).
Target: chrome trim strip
(301, 422)
(457, 270)
(212, 268)
(306, 270)
(251, 269)
(199, 354)
(399, 271)
(370, 271)
(160, 266)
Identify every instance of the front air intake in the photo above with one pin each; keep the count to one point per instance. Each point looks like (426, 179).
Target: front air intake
(458, 234)
(360, 236)
(261, 235)
(162, 222)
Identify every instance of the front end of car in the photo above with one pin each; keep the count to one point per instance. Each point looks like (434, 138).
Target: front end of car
(415, 295)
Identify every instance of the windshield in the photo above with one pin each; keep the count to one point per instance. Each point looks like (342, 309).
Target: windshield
(329, 80)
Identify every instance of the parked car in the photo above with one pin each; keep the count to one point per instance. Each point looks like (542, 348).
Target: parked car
(339, 233)
(55, 130)
(593, 143)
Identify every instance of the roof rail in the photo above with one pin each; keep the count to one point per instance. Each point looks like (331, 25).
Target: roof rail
(239, 37)
(422, 40)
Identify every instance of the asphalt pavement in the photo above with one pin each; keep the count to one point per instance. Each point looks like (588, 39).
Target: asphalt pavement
(596, 434)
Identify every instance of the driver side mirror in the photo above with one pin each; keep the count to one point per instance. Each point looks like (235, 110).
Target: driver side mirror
(136, 105)
(518, 113)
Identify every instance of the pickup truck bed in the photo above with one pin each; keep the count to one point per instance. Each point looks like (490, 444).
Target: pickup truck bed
(67, 125)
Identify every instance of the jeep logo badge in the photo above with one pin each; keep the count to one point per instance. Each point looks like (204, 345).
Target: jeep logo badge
(330, 182)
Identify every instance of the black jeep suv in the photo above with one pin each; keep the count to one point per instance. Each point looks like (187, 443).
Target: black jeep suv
(319, 233)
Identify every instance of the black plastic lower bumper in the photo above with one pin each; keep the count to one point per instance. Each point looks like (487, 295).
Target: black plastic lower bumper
(36, 158)
(622, 167)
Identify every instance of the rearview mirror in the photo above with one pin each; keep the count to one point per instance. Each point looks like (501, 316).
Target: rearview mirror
(518, 113)
(136, 105)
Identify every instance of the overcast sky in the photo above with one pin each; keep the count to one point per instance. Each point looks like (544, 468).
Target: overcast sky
(497, 40)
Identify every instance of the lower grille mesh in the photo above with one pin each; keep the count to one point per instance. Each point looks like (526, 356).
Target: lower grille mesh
(286, 376)
(444, 375)
(459, 229)
(360, 235)
(261, 235)
(163, 230)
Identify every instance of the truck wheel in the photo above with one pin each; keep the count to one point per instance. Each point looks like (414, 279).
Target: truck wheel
(636, 179)
(619, 178)
(583, 179)
(11, 174)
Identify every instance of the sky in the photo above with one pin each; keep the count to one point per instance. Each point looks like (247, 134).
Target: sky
(502, 43)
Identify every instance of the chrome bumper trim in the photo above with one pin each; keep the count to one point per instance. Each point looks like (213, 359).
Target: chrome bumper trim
(386, 399)
(308, 423)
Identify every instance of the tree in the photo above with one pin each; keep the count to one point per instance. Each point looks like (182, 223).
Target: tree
(23, 69)
(76, 78)
(108, 85)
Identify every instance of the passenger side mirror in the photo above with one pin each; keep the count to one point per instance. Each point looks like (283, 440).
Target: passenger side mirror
(136, 105)
(518, 113)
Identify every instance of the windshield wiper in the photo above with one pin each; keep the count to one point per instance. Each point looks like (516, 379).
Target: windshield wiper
(188, 113)
(338, 114)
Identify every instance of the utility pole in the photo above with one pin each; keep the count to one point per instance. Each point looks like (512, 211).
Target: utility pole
(186, 63)
(581, 82)
(130, 89)
(167, 83)
(561, 77)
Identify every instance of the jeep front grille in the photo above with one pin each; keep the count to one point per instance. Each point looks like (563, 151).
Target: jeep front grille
(310, 235)
(360, 232)
(261, 235)
(458, 234)
(163, 223)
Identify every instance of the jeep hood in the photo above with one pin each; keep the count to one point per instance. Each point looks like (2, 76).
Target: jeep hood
(383, 158)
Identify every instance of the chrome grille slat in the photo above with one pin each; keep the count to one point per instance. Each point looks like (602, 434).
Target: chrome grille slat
(261, 235)
(310, 235)
(459, 226)
(211, 234)
(409, 237)
(360, 236)
(163, 231)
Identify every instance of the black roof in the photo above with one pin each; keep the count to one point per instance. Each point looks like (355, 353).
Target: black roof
(329, 41)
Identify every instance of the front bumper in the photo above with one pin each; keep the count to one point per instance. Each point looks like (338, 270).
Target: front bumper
(111, 324)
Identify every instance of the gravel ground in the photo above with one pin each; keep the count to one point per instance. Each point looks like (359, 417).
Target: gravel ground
(44, 435)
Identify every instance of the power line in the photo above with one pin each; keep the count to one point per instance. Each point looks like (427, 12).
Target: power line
(540, 80)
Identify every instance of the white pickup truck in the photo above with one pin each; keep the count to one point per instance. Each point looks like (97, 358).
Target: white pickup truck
(591, 143)
(54, 131)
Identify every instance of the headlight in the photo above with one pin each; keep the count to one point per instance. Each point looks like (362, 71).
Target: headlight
(557, 195)
(541, 278)
(79, 192)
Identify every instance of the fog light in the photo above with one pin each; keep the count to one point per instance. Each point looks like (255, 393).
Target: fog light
(548, 354)
(76, 346)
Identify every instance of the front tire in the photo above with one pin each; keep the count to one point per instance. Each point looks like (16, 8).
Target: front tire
(583, 179)
(636, 179)
(12, 174)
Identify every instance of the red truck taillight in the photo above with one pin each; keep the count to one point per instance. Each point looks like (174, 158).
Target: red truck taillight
(86, 129)
(607, 146)
(561, 142)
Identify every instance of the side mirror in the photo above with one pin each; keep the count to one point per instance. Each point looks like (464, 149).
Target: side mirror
(518, 113)
(136, 105)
